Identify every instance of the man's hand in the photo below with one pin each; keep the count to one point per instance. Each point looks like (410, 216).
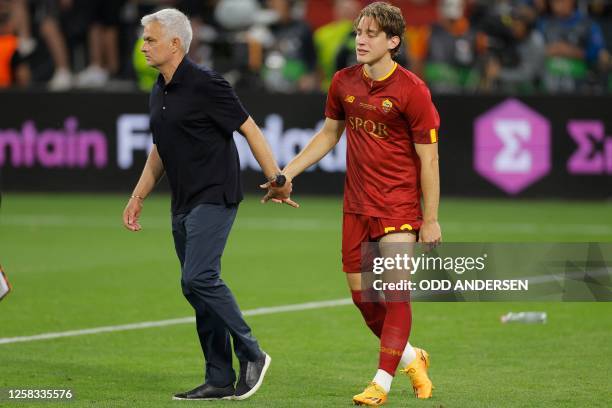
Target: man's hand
(132, 213)
(430, 233)
(279, 194)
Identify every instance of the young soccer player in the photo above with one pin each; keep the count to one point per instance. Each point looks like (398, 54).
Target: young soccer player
(392, 161)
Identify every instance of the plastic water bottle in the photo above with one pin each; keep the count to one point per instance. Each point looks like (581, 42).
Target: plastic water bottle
(524, 317)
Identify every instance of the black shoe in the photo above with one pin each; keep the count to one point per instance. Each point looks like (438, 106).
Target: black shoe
(251, 376)
(207, 392)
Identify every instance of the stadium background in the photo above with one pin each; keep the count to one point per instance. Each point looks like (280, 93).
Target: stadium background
(519, 163)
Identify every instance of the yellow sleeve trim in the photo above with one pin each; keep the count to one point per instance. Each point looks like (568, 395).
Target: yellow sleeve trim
(406, 227)
(433, 134)
(389, 229)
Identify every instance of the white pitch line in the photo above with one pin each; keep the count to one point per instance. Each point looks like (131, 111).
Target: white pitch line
(171, 322)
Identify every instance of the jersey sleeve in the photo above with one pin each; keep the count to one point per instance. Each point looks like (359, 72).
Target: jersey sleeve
(223, 105)
(422, 116)
(333, 106)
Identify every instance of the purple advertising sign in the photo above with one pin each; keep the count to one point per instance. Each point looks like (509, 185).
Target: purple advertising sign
(594, 153)
(66, 147)
(512, 146)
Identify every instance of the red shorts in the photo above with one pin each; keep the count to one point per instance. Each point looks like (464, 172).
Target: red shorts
(357, 228)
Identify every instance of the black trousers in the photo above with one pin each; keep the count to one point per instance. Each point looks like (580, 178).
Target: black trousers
(199, 237)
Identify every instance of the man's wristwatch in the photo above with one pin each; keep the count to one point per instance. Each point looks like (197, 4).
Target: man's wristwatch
(278, 181)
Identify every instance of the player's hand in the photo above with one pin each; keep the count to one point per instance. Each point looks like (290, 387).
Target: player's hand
(131, 214)
(279, 194)
(430, 233)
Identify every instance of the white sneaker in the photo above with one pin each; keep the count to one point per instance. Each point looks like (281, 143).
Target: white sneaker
(92, 77)
(61, 81)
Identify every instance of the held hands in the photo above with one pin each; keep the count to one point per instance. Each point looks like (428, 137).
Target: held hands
(278, 194)
(132, 213)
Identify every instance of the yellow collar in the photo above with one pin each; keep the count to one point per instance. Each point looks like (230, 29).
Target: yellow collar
(384, 77)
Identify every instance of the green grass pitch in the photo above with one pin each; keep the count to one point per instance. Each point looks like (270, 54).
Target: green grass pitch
(73, 266)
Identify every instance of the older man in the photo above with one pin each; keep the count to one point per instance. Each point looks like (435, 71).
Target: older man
(194, 113)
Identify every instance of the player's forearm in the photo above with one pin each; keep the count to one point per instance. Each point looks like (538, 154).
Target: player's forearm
(260, 148)
(430, 186)
(321, 144)
(152, 172)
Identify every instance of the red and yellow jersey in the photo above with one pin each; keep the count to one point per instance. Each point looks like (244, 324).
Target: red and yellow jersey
(384, 119)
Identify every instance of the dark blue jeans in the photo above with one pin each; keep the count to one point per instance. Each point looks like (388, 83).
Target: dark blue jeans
(199, 237)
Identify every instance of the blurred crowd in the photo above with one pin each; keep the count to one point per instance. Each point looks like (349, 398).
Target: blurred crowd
(457, 46)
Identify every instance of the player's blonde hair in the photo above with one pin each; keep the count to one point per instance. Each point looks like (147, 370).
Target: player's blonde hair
(175, 24)
(389, 19)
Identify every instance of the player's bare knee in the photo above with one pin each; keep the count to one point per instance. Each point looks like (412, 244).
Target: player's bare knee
(354, 280)
(408, 236)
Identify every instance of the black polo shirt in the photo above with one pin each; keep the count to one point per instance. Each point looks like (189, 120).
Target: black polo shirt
(192, 121)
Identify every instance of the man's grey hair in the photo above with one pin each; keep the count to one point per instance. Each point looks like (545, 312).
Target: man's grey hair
(175, 24)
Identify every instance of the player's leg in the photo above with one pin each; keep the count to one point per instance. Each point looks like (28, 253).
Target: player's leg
(373, 312)
(398, 319)
(375, 393)
(354, 232)
(414, 362)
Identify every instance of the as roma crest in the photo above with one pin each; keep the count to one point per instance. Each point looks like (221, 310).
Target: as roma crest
(387, 105)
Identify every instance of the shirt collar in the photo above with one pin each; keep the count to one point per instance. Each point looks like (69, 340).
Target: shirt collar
(373, 82)
(179, 75)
